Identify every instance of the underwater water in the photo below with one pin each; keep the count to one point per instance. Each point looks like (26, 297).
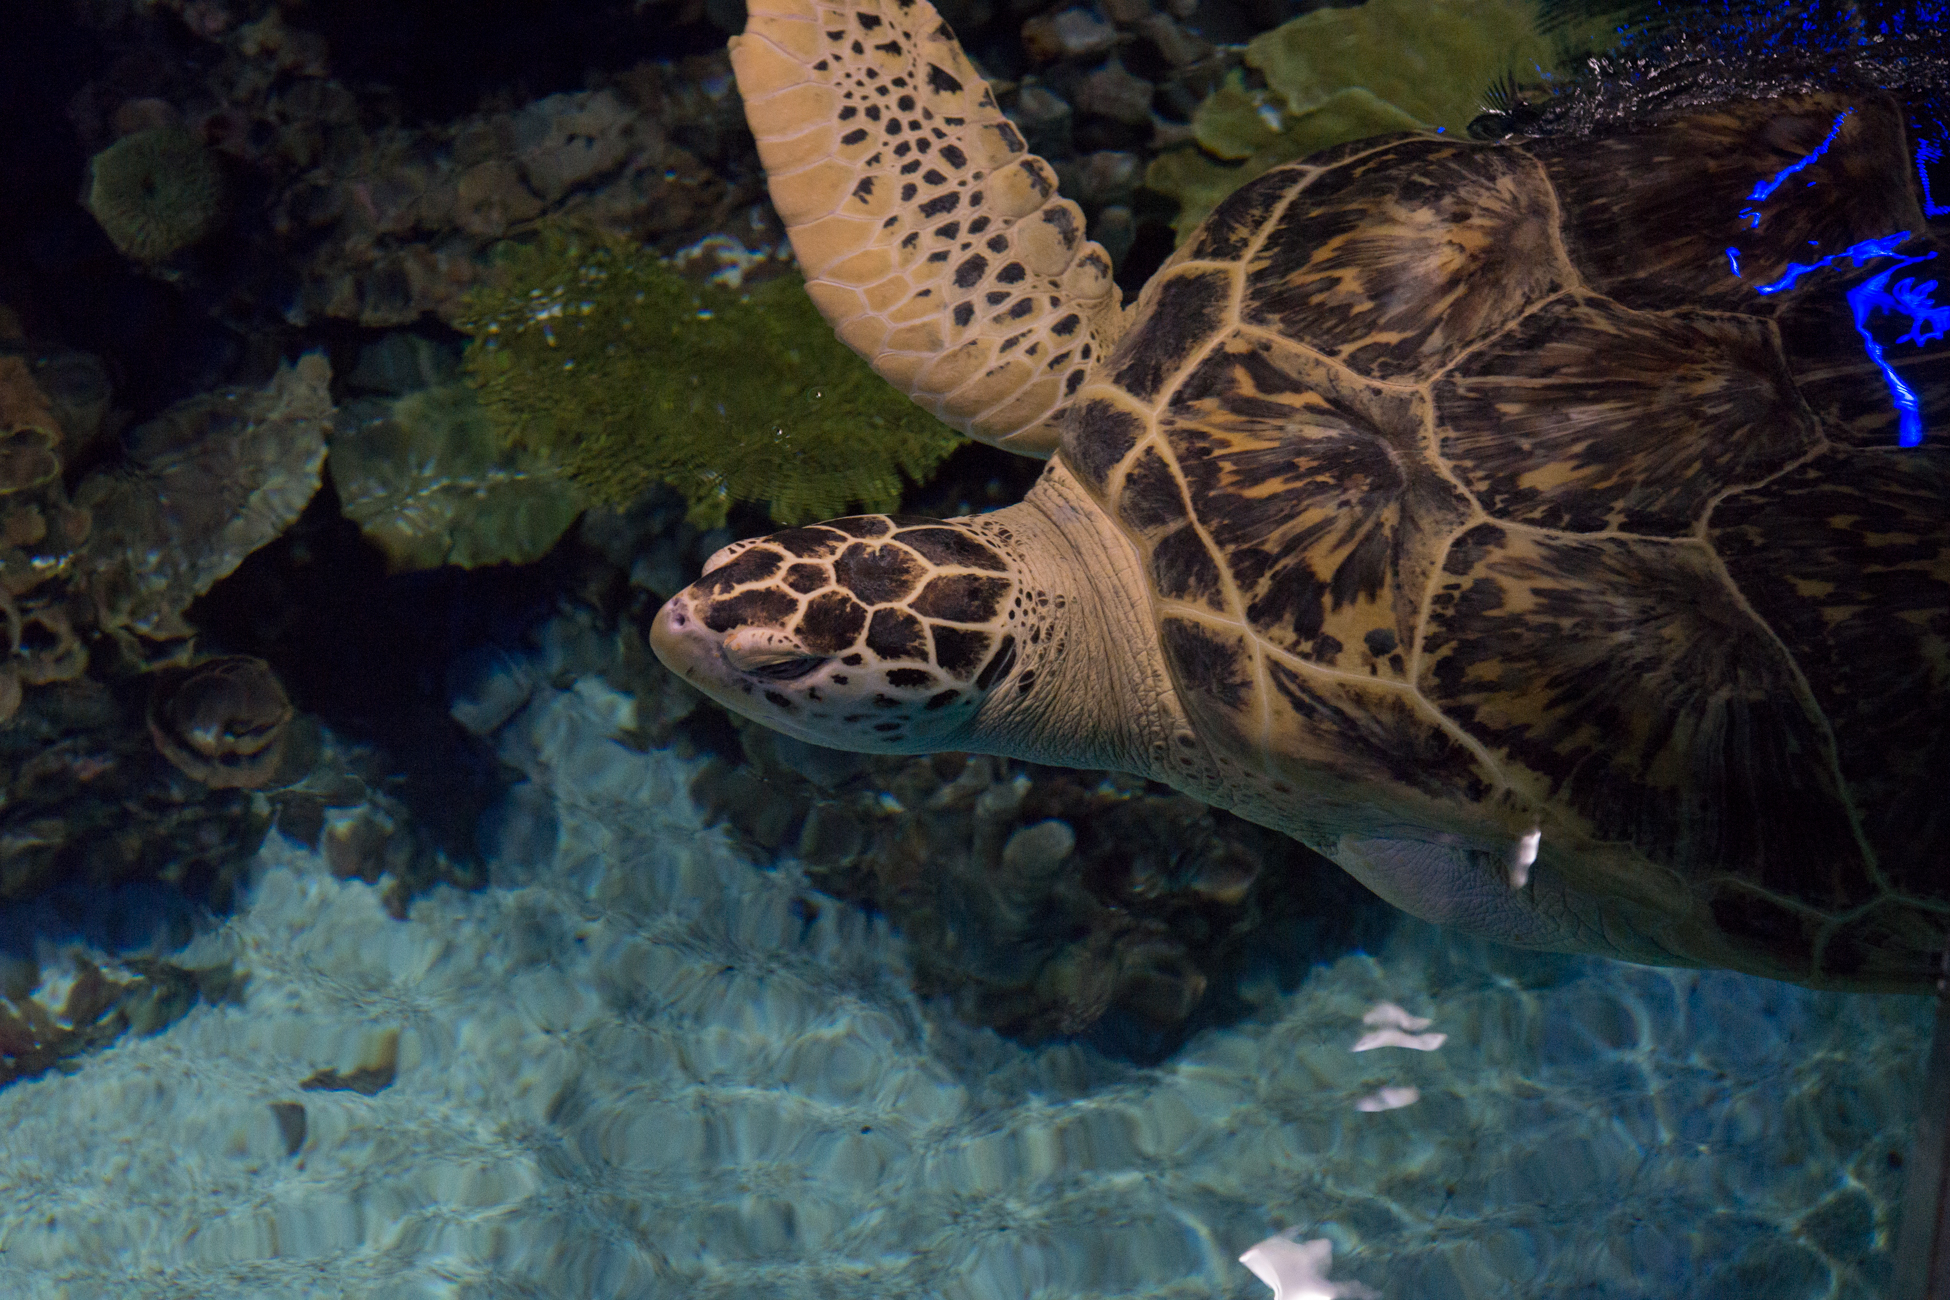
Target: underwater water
(632, 1066)
(379, 917)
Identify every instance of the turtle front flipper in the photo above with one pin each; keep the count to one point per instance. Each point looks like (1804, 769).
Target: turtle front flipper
(930, 238)
(1473, 890)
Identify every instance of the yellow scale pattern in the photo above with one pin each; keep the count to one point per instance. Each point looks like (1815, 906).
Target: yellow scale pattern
(934, 243)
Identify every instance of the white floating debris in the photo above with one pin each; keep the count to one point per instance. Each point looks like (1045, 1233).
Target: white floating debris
(1526, 855)
(1396, 1038)
(733, 259)
(1297, 1270)
(1389, 1099)
(1387, 1013)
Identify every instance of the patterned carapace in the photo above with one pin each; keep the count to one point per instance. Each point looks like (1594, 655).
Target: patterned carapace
(1554, 531)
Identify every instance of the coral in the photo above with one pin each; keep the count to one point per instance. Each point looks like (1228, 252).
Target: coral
(90, 804)
(88, 801)
(156, 192)
(390, 223)
(203, 485)
(363, 209)
(39, 529)
(426, 481)
(1337, 74)
(595, 353)
(224, 721)
(28, 430)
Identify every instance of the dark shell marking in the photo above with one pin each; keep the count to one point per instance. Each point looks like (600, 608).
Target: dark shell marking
(1473, 479)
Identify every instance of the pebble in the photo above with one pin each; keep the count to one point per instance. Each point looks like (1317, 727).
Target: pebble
(1068, 34)
(1044, 119)
(1038, 848)
(1108, 176)
(1112, 92)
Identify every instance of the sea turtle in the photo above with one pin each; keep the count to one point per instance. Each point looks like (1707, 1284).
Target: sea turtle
(1531, 526)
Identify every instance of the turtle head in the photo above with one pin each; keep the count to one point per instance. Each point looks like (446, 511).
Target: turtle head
(874, 633)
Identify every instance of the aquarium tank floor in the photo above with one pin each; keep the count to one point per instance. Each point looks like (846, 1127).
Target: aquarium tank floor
(635, 1065)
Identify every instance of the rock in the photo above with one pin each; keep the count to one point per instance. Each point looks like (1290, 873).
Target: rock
(1073, 33)
(1112, 92)
(830, 836)
(1116, 229)
(566, 140)
(1044, 119)
(1108, 176)
(1178, 47)
(1034, 850)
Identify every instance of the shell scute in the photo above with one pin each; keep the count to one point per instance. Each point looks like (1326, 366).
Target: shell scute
(1847, 559)
(1318, 497)
(1231, 226)
(1150, 499)
(1659, 710)
(1185, 308)
(1503, 498)
(1336, 732)
(1182, 568)
(1661, 240)
(1397, 260)
(1097, 435)
(1587, 416)
(1824, 343)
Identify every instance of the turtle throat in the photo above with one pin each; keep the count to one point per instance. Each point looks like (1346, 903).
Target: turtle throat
(1089, 687)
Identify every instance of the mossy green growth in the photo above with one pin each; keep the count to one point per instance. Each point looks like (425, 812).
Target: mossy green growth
(596, 354)
(1336, 75)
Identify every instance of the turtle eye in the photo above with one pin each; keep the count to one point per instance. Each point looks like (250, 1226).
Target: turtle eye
(768, 653)
(787, 670)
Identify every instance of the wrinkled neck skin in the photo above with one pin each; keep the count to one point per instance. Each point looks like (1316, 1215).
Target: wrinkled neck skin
(1100, 695)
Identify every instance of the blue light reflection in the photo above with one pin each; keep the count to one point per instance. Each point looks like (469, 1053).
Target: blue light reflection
(1927, 321)
(1861, 254)
(1927, 152)
(1881, 293)
(1765, 189)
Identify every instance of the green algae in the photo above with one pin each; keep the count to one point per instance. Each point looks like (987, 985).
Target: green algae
(1336, 75)
(598, 356)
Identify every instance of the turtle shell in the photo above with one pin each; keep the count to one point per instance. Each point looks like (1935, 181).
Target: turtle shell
(1562, 485)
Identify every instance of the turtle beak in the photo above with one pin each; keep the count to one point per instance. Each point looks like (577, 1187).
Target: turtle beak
(682, 642)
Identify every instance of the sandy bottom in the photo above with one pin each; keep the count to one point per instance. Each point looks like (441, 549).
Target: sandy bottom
(638, 1066)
